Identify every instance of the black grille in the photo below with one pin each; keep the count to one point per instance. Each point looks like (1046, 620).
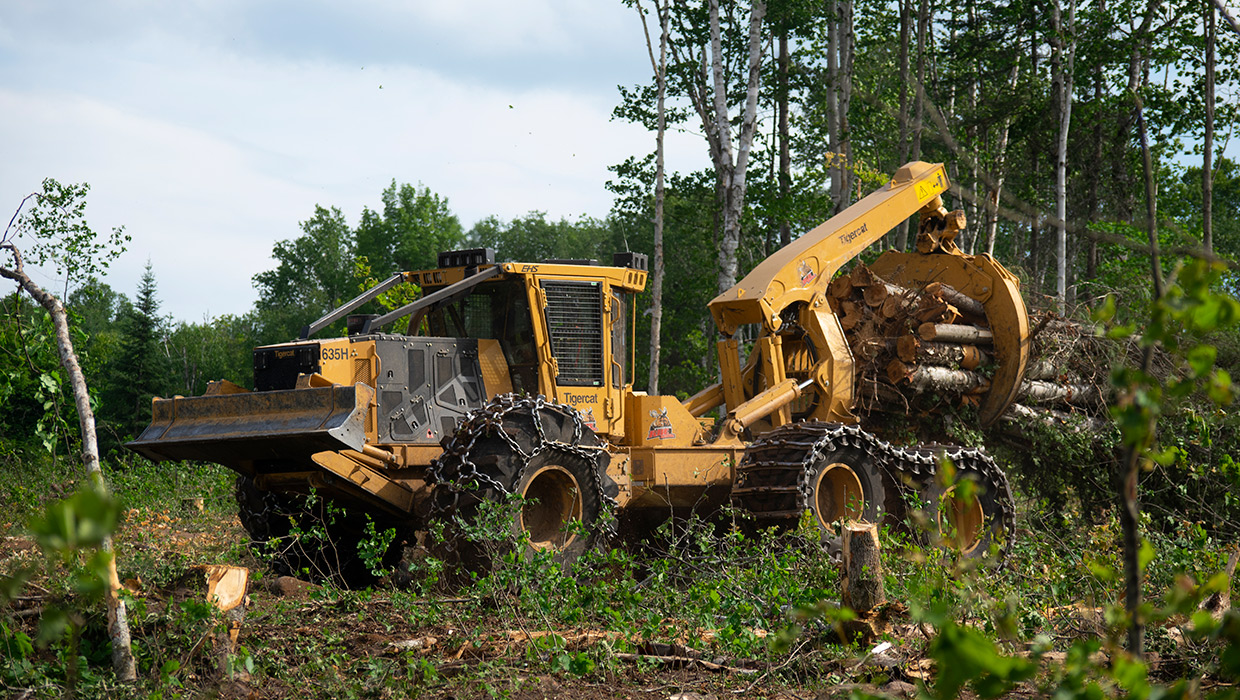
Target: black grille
(575, 322)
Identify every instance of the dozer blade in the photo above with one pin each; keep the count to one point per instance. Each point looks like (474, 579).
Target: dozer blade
(235, 430)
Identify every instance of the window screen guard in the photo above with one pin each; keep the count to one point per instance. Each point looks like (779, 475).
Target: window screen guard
(575, 323)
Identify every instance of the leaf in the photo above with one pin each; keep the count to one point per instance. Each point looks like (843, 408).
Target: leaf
(1145, 555)
(1201, 359)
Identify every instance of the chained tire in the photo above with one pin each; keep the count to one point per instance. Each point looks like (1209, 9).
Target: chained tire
(304, 537)
(972, 520)
(832, 471)
(520, 472)
(977, 522)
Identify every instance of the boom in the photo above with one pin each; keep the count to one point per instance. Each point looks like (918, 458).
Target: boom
(803, 268)
(801, 356)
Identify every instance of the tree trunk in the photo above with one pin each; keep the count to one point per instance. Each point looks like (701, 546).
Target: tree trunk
(996, 195)
(847, 56)
(1063, 62)
(656, 276)
(833, 101)
(785, 155)
(906, 20)
(919, 104)
(731, 173)
(118, 619)
(863, 568)
(1207, 157)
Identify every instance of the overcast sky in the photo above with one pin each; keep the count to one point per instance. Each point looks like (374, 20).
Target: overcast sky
(210, 128)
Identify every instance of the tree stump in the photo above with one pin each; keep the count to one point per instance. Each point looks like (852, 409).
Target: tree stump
(863, 568)
(226, 589)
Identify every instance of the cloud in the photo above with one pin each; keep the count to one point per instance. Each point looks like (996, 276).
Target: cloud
(209, 134)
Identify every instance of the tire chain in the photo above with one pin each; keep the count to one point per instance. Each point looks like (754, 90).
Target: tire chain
(458, 474)
(787, 455)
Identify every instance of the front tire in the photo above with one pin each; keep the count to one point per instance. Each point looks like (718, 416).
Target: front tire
(538, 454)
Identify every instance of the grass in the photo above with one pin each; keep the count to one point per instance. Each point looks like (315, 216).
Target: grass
(758, 611)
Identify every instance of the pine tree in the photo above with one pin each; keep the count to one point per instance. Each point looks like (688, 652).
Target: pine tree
(141, 368)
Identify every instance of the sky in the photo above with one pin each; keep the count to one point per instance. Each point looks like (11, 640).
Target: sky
(210, 128)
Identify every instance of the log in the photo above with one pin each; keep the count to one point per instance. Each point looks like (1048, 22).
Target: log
(1042, 368)
(906, 348)
(861, 276)
(957, 381)
(897, 371)
(1021, 415)
(955, 333)
(1036, 391)
(863, 568)
(841, 287)
(951, 355)
(948, 293)
(935, 310)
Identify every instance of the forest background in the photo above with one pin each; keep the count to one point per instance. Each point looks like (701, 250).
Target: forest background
(1044, 112)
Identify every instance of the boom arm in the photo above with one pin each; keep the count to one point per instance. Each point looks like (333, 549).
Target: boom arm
(803, 268)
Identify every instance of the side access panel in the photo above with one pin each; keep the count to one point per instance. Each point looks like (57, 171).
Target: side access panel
(425, 385)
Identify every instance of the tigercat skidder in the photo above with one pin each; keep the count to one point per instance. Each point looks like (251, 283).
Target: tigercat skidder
(510, 378)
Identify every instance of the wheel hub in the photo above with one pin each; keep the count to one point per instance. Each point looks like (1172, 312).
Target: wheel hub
(960, 520)
(552, 500)
(838, 495)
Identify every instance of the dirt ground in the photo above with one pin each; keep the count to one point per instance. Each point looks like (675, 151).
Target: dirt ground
(311, 642)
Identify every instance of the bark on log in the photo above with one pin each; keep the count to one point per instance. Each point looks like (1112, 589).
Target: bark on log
(951, 354)
(948, 293)
(955, 333)
(957, 381)
(1021, 415)
(863, 568)
(1042, 369)
(1036, 391)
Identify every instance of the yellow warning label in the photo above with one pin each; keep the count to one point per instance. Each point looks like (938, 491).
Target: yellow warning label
(925, 191)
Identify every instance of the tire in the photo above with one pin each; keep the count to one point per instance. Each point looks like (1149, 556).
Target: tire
(305, 537)
(543, 455)
(831, 470)
(844, 484)
(968, 524)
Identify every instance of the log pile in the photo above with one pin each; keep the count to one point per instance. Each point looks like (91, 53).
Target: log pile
(934, 340)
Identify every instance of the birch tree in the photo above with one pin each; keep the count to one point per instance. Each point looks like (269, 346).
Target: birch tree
(707, 88)
(662, 11)
(1063, 60)
(56, 223)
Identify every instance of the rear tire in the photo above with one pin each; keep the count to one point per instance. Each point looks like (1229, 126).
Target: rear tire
(301, 537)
(844, 484)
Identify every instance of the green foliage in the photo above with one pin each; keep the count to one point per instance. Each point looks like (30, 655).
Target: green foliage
(533, 238)
(60, 237)
(414, 226)
(140, 367)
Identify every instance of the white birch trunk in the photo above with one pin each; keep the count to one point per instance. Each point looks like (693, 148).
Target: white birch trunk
(656, 276)
(118, 620)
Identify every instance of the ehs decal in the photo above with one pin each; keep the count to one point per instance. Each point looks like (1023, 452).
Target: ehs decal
(806, 272)
(588, 419)
(660, 426)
